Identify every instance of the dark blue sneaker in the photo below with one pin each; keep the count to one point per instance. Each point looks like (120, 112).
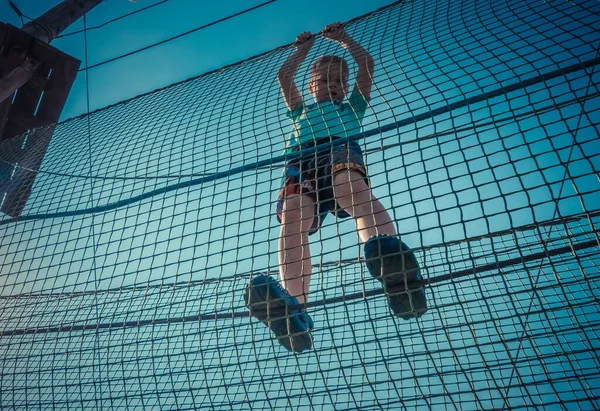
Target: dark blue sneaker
(279, 311)
(393, 263)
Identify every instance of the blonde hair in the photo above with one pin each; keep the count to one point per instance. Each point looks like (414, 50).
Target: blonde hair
(329, 61)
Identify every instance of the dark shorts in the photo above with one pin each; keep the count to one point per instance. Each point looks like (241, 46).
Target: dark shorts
(312, 175)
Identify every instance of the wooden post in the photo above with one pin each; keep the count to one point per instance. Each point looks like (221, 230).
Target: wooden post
(35, 80)
(50, 24)
(45, 28)
(16, 78)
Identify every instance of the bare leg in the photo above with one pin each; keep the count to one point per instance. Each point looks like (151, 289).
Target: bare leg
(355, 197)
(294, 250)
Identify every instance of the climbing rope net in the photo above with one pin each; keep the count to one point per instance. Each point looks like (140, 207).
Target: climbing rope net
(121, 282)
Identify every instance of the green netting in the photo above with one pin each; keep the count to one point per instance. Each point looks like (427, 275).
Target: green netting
(121, 282)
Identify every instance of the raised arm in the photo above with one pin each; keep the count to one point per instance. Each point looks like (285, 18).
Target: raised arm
(366, 65)
(287, 72)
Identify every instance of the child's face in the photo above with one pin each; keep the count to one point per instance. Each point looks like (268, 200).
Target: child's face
(329, 83)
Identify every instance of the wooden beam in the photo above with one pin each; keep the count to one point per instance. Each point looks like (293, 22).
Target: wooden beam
(52, 23)
(41, 76)
(16, 78)
(14, 56)
(28, 98)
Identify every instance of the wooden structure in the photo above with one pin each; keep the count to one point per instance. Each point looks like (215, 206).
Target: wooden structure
(35, 80)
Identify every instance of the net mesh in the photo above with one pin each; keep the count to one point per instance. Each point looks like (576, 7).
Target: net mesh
(121, 282)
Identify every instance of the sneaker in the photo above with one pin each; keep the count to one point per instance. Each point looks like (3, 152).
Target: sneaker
(393, 263)
(279, 311)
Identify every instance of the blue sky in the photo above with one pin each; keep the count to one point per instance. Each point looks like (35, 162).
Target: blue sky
(258, 31)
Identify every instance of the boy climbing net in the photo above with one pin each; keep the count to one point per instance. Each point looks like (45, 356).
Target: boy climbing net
(329, 180)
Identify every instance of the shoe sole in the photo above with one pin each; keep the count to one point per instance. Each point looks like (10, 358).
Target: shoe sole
(398, 271)
(272, 308)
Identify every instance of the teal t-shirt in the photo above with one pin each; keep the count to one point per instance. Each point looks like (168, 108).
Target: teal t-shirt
(319, 120)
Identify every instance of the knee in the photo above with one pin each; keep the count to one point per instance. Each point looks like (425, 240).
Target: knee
(298, 207)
